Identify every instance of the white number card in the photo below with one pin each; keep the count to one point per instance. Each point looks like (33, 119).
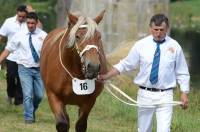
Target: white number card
(83, 87)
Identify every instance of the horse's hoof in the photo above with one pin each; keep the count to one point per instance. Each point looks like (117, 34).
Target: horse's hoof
(62, 127)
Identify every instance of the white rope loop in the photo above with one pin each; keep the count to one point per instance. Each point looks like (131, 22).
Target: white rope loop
(60, 55)
(134, 102)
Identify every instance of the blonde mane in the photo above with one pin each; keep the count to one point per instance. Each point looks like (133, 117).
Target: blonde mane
(90, 25)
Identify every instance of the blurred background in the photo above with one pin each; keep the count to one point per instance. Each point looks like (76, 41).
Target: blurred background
(125, 21)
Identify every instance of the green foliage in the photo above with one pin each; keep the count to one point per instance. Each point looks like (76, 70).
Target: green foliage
(178, 0)
(8, 8)
(185, 15)
(46, 13)
(44, 8)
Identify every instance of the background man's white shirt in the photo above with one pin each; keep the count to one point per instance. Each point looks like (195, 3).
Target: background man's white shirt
(8, 29)
(22, 45)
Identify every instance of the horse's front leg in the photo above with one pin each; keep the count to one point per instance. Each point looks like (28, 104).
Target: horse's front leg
(61, 116)
(81, 124)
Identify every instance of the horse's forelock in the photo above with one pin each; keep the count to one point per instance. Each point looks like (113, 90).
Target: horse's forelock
(74, 30)
(91, 26)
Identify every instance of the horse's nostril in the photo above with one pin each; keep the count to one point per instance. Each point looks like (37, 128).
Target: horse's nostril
(89, 66)
(93, 67)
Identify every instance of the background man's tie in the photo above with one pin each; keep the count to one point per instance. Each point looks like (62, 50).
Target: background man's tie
(33, 51)
(155, 66)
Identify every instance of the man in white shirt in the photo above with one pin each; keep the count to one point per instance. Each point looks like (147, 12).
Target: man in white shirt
(28, 43)
(8, 29)
(161, 65)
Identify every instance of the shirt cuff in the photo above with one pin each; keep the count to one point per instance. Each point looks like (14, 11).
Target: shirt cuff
(118, 67)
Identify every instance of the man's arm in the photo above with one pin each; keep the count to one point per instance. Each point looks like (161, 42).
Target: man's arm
(113, 72)
(183, 77)
(4, 54)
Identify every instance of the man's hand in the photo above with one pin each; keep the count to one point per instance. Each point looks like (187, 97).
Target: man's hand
(184, 100)
(108, 75)
(4, 54)
(103, 77)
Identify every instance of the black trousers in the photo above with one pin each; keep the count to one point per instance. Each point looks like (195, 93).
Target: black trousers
(14, 89)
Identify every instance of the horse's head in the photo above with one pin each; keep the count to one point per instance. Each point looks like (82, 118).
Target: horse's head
(86, 39)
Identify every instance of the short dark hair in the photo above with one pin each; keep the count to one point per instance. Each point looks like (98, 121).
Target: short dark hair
(158, 19)
(22, 8)
(32, 15)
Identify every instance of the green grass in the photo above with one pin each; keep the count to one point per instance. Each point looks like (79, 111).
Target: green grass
(185, 15)
(108, 115)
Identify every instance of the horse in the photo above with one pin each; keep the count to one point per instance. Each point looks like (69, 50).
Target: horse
(70, 54)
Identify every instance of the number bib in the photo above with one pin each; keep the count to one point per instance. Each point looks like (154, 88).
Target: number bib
(83, 87)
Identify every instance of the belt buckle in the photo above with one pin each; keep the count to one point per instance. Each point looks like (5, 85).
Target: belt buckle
(151, 89)
(160, 90)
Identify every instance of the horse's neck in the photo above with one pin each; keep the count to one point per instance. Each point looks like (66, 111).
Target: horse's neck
(71, 61)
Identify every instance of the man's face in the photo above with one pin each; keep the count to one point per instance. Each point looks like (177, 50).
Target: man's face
(21, 16)
(31, 23)
(158, 32)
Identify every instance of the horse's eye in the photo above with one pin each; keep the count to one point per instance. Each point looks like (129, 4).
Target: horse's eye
(78, 38)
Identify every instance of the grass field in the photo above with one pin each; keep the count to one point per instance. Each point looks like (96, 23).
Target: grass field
(108, 114)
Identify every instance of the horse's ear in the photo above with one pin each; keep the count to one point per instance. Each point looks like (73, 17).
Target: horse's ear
(99, 17)
(72, 19)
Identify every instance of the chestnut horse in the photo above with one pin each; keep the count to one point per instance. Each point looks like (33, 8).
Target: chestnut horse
(67, 54)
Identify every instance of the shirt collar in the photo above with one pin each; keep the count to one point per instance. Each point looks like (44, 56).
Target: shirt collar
(159, 42)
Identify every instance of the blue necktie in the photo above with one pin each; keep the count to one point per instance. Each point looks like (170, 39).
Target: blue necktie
(33, 51)
(155, 66)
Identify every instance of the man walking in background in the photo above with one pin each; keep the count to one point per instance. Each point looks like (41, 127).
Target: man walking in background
(11, 26)
(161, 65)
(28, 43)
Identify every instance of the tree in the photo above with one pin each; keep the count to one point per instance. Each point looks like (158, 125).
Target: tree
(62, 7)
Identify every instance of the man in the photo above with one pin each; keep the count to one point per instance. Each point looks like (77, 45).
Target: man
(8, 29)
(28, 42)
(29, 8)
(161, 62)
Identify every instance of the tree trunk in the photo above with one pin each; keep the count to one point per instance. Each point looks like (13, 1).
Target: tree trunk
(62, 7)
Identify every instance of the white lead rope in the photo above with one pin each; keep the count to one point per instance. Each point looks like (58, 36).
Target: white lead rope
(134, 102)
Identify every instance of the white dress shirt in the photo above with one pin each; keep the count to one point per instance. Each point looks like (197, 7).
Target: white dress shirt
(8, 29)
(172, 68)
(20, 42)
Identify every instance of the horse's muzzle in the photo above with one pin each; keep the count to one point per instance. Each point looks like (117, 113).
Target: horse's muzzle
(92, 71)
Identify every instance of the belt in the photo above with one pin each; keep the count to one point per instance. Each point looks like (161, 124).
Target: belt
(154, 89)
